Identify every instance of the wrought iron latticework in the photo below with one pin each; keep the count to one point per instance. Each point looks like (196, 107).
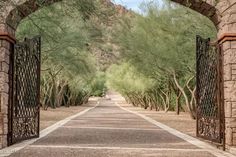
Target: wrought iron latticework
(210, 109)
(25, 105)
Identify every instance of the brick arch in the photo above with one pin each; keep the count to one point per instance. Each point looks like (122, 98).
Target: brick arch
(204, 7)
(25, 8)
(22, 10)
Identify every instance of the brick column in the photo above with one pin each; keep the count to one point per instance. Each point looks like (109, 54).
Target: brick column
(6, 45)
(227, 37)
(229, 65)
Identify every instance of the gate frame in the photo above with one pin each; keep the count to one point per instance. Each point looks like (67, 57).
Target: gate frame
(219, 93)
(11, 92)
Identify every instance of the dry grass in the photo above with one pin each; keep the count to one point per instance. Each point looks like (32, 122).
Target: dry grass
(181, 122)
(51, 116)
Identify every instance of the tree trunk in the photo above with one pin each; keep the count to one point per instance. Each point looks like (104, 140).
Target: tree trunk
(193, 98)
(185, 96)
(178, 103)
(166, 101)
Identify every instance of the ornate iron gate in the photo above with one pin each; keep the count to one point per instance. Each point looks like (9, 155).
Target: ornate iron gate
(210, 108)
(24, 107)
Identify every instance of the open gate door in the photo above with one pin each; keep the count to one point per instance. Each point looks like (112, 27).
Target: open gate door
(25, 104)
(209, 93)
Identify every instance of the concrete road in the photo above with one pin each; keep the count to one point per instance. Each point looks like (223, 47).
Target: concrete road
(109, 131)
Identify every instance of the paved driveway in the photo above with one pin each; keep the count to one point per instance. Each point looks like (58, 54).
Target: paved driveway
(110, 131)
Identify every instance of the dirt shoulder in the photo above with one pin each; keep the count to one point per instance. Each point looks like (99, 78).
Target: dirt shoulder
(51, 116)
(182, 122)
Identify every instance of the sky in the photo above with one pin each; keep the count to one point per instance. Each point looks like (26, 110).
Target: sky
(130, 4)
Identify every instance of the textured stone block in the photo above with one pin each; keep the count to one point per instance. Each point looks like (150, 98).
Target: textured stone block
(227, 72)
(4, 140)
(233, 105)
(3, 27)
(229, 137)
(4, 87)
(5, 44)
(4, 102)
(1, 143)
(233, 44)
(230, 57)
(231, 26)
(234, 113)
(4, 55)
(228, 109)
(5, 128)
(1, 124)
(4, 77)
(234, 139)
(230, 90)
(5, 68)
(226, 46)
(5, 118)
(230, 123)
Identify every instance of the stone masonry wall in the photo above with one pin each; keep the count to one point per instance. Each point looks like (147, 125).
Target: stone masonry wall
(5, 49)
(227, 37)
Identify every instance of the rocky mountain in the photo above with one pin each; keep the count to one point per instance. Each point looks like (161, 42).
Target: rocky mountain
(108, 53)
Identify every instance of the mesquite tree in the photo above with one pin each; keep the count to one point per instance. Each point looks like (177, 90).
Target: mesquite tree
(160, 46)
(68, 29)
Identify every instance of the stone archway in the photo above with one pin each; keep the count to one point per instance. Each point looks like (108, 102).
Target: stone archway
(221, 12)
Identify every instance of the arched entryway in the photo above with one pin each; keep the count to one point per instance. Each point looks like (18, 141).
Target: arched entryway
(220, 12)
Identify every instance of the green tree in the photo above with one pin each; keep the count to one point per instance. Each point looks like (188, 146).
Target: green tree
(68, 29)
(160, 44)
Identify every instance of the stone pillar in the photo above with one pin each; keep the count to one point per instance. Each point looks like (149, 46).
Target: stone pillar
(229, 76)
(6, 47)
(227, 38)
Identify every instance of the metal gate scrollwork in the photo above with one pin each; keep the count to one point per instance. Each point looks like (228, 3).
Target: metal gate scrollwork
(210, 109)
(25, 106)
